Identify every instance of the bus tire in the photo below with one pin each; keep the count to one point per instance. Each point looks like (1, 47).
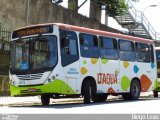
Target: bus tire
(86, 92)
(134, 90)
(155, 94)
(45, 99)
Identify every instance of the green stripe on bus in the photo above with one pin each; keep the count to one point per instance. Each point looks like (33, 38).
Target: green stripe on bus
(57, 86)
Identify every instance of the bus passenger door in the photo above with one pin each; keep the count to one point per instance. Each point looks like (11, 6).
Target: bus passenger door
(69, 61)
(89, 62)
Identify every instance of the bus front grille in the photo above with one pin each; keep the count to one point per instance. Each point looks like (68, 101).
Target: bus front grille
(30, 76)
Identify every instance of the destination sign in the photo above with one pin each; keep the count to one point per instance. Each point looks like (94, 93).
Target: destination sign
(32, 31)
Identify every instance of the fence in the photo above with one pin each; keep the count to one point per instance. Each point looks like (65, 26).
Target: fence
(5, 35)
(4, 49)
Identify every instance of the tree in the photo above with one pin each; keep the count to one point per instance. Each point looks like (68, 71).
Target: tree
(112, 7)
(73, 5)
(115, 7)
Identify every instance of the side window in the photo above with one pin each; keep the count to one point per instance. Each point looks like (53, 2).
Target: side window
(69, 47)
(108, 48)
(158, 55)
(89, 45)
(158, 62)
(152, 53)
(126, 50)
(142, 52)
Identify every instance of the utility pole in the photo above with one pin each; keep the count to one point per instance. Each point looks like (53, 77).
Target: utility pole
(27, 12)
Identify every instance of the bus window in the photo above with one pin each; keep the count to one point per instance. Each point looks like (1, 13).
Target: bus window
(152, 53)
(69, 47)
(89, 45)
(158, 55)
(108, 48)
(158, 62)
(142, 52)
(126, 50)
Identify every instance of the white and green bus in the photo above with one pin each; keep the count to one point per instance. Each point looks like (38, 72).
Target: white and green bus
(157, 85)
(59, 60)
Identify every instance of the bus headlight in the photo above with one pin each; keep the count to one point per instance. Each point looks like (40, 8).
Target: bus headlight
(53, 77)
(49, 79)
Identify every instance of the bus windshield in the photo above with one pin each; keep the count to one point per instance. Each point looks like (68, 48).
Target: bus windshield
(34, 53)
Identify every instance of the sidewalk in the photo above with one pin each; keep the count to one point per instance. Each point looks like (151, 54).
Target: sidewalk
(8, 100)
(35, 100)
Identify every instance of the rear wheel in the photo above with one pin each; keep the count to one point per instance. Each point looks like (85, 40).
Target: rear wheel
(134, 91)
(155, 93)
(45, 99)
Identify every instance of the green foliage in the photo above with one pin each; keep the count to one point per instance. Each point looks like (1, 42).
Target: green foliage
(114, 7)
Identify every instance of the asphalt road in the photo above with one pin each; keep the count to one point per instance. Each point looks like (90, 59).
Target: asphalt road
(142, 106)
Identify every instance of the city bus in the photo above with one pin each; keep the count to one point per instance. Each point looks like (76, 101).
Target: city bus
(57, 60)
(157, 85)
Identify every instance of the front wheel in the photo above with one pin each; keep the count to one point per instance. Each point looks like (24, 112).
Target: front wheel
(45, 99)
(87, 92)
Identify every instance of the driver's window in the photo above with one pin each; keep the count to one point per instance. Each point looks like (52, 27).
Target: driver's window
(22, 56)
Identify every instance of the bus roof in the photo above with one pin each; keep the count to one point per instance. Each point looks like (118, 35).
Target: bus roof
(94, 31)
(103, 33)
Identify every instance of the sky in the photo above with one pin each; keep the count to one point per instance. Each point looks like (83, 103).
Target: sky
(151, 13)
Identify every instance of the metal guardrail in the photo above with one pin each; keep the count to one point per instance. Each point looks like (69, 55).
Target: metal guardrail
(157, 36)
(140, 18)
(5, 36)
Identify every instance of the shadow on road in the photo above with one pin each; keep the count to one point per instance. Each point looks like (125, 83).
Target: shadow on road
(81, 104)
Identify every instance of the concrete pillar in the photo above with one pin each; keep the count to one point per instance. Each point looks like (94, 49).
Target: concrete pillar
(95, 10)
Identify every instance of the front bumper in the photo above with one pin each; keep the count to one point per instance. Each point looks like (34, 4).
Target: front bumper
(57, 86)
